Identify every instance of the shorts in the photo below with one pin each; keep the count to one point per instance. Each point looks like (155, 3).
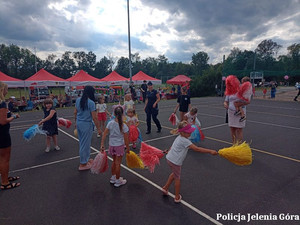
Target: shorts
(5, 140)
(102, 116)
(175, 169)
(116, 150)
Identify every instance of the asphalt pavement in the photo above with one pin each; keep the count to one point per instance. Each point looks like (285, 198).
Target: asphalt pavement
(214, 190)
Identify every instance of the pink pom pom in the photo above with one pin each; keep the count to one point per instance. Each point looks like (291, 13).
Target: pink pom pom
(133, 133)
(100, 163)
(172, 119)
(245, 91)
(150, 156)
(232, 85)
(64, 122)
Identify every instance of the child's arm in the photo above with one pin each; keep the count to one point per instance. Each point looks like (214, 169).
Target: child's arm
(107, 112)
(226, 104)
(102, 148)
(126, 140)
(95, 119)
(203, 150)
(137, 123)
(51, 114)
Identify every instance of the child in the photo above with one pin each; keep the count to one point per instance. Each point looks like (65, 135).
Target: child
(176, 155)
(244, 94)
(183, 103)
(128, 103)
(131, 119)
(50, 124)
(101, 111)
(264, 92)
(118, 136)
(138, 95)
(191, 116)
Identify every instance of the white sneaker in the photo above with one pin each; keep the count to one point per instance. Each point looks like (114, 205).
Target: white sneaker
(57, 148)
(120, 182)
(47, 149)
(98, 135)
(113, 179)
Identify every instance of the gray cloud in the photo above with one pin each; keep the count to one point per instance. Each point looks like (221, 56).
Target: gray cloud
(215, 21)
(29, 23)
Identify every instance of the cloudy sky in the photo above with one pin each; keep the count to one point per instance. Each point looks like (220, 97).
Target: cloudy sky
(175, 28)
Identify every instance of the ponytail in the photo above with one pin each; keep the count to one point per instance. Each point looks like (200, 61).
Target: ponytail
(119, 115)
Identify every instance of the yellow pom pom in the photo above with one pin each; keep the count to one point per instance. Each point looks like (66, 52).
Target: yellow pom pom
(76, 133)
(134, 161)
(238, 154)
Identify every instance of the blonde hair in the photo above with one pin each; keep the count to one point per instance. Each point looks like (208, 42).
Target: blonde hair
(182, 124)
(101, 98)
(3, 86)
(131, 110)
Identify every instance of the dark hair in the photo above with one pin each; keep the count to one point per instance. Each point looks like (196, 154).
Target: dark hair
(119, 114)
(88, 93)
(48, 101)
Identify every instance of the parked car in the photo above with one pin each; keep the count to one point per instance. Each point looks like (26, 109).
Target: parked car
(36, 93)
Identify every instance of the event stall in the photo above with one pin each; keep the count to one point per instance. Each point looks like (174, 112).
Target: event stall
(114, 79)
(44, 78)
(141, 76)
(11, 81)
(179, 79)
(82, 79)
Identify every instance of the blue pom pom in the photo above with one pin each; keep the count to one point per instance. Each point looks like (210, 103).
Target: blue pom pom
(195, 136)
(32, 131)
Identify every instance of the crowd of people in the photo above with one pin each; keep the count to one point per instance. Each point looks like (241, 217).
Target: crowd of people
(89, 114)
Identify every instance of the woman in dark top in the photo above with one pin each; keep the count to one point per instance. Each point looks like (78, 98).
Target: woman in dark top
(151, 108)
(5, 141)
(183, 103)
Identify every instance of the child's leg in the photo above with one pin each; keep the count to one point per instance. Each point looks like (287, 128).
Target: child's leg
(242, 111)
(54, 137)
(102, 125)
(169, 182)
(48, 141)
(177, 188)
(117, 162)
(113, 166)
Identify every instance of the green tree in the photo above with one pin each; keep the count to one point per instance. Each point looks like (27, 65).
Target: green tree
(103, 67)
(200, 62)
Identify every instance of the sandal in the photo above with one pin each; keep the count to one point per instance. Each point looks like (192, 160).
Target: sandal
(164, 191)
(9, 186)
(13, 178)
(178, 200)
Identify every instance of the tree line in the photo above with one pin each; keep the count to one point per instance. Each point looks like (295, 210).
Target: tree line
(22, 63)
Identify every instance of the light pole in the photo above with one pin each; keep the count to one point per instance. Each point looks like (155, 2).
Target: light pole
(129, 44)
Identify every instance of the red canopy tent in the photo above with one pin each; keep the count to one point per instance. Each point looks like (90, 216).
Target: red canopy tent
(180, 79)
(82, 79)
(114, 78)
(44, 78)
(141, 76)
(11, 81)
